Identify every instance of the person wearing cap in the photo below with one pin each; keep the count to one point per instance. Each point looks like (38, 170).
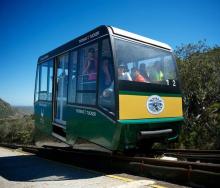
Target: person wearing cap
(122, 75)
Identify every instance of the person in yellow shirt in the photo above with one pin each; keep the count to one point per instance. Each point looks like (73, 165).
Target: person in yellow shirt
(157, 73)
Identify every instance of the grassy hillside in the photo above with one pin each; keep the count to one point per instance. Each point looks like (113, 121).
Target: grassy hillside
(17, 130)
(6, 110)
(16, 124)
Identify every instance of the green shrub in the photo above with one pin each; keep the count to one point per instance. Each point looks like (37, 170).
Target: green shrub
(199, 68)
(17, 130)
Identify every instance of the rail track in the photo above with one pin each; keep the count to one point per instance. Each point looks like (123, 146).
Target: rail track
(196, 174)
(207, 156)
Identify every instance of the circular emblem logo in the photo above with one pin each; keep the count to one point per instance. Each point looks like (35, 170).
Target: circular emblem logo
(155, 104)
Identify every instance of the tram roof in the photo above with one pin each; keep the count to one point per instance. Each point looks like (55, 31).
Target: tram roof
(96, 33)
(134, 36)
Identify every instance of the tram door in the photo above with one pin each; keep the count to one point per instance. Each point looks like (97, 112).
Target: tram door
(61, 82)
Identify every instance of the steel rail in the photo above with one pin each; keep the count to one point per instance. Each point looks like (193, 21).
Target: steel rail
(208, 156)
(191, 151)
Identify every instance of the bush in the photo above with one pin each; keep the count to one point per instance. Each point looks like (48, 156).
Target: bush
(17, 130)
(199, 67)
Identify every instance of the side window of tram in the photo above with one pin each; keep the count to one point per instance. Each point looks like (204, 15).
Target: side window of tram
(44, 86)
(106, 94)
(62, 77)
(37, 81)
(87, 73)
(72, 77)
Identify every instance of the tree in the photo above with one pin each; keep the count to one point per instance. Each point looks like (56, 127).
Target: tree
(199, 67)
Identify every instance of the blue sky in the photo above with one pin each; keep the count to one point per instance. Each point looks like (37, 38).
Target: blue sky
(29, 28)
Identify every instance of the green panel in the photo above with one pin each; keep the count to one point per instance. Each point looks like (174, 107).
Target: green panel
(151, 120)
(149, 93)
(43, 116)
(96, 127)
(93, 126)
(130, 131)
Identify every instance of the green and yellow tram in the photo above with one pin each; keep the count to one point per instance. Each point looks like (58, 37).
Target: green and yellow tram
(109, 87)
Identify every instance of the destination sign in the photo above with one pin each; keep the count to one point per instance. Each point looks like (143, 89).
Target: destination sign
(88, 37)
(86, 112)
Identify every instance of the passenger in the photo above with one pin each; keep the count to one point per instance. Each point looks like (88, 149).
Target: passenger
(136, 75)
(143, 72)
(106, 73)
(106, 85)
(90, 67)
(157, 73)
(123, 74)
(107, 70)
(171, 70)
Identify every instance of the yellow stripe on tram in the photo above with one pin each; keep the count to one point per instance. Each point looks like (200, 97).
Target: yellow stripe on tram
(134, 107)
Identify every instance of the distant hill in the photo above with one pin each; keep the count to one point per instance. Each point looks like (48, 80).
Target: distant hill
(6, 110)
(25, 110)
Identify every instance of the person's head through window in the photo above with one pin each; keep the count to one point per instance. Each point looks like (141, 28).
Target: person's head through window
(136, 75)
(91, 54)
(157, 73)
(120, 70)
(123, 73)
(90, 67)
(106, 70)
(143, 72)
(91, 60)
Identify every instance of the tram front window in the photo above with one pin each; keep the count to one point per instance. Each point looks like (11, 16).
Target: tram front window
(142, 63)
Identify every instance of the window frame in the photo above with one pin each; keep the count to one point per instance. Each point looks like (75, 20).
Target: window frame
(77, 73)
(149, 48)
(70, 52)
(76, 49)
(38, 81)
(36, 93)
(96, 105)
(124, 85)
(114, 76)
